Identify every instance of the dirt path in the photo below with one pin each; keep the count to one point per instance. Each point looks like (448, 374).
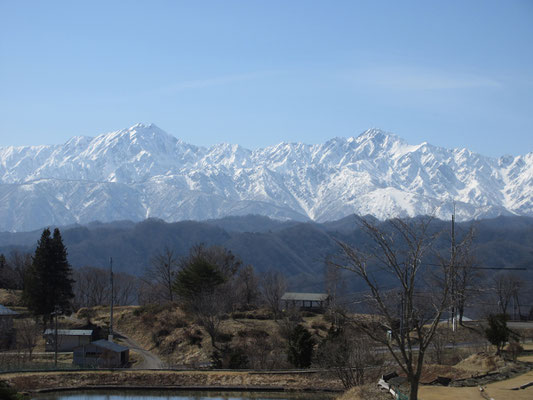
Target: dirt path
(150, 360)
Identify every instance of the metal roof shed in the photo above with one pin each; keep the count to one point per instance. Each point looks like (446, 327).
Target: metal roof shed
(67, 339)
(314, 301)
(101, 353)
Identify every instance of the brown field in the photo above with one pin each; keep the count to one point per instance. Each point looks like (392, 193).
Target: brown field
(50, 380)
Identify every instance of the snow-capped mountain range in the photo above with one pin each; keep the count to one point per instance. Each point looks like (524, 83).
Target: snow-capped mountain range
(144, 172)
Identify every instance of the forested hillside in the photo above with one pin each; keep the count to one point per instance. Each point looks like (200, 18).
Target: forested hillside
(297, 249)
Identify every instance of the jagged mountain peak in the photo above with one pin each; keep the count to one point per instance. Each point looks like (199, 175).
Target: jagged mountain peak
(142, 171)
(378, 136)
(140, 133)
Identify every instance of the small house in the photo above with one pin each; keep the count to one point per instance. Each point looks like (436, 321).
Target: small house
(102, 354)
(6, 326)
(305, 301)
(67, 339)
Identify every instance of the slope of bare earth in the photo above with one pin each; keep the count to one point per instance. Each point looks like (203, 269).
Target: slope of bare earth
(171, 335)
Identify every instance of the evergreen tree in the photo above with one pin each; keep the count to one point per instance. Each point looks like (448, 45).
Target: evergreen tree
(300, 350)
(197, 278)
(497, 333)
(48, 282)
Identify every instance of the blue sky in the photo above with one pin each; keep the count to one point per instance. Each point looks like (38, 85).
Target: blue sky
(453, 73)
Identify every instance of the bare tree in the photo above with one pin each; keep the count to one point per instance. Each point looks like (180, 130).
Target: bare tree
(162, 272)
(465, 275)
(28, 333)
(208, 308)
(92, 287)
(336, 290)
(247, 286)
(125, 289)
(273, 286)
(507, 288)
(439, 343)
(20, 262)
(411, 311)
(350, 354)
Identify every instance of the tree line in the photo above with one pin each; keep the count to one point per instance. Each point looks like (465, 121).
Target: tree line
(206, 276)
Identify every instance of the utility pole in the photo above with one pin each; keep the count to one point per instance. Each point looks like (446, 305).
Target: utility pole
(110, 337)
(56, 336)
(452, 274)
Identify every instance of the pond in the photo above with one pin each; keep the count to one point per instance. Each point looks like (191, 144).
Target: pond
(181, 395)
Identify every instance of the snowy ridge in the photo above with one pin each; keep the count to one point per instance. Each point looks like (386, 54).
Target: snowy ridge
(144, 172)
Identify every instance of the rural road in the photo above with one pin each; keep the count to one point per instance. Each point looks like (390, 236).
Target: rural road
(150, 360)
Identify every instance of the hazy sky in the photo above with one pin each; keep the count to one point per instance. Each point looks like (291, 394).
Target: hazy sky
(453, 73)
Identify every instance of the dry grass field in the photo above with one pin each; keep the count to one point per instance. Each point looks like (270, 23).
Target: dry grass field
(132, 378)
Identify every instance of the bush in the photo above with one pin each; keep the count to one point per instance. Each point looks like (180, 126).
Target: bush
(308, 314)
(8, 393)
(497, 333)
(230, 358)
(194, 338)
(169, 347)
(514, 349)
(224, 337)
(300, 350)
(179, 323)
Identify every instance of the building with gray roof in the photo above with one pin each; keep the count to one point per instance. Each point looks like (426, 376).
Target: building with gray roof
(101, 354)
(67, 339)
(305, 301)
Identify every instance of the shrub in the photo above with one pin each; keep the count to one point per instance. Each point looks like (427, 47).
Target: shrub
(497, 332)
(231, 358)
(300, 350)
(194, 338)
(180, 323)
(224, 337)
(8, 393)
(514, 349)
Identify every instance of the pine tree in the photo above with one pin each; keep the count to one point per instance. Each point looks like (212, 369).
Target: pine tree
(300, 350)
(48, 282)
